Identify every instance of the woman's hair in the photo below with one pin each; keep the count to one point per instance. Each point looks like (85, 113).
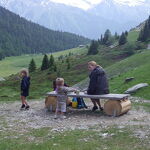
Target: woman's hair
(25, 71)
(59, 81)
(93, 63)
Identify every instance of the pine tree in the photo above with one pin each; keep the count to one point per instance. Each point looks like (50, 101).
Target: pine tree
(116, 35)
(107, 37)
(126, 33)
(70, 54)
(67, 60)
(93, 49)
(1, 55)
(122, 39)
(100, 41)
(58, 72)
(149, 27)
(55, 68)
(68, 65)
(101, 38)
(45, 63)
(32, 66)
(145, 32)
(149, 23)
(51, 61)
(140, 35)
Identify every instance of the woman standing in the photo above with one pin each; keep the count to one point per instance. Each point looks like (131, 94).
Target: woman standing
(98, 83)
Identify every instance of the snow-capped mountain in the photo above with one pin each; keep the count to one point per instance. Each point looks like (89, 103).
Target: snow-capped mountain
(85, 17)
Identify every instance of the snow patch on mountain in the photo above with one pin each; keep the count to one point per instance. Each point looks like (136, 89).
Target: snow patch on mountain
(131, 2)
(82, 4)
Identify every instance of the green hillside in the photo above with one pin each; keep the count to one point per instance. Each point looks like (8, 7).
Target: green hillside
(41, 81)
(12, 65)
(19, 36)
(115, 60)
(137, 66)
(132, 36)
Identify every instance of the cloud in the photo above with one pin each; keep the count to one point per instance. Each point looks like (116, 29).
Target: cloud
(83, 4)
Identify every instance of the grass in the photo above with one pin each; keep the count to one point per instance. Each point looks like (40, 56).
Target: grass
(132, 36)
(144, 105)
(41, 81)
(73, 140)
(12, 65)
(136, 66)
(44, 139)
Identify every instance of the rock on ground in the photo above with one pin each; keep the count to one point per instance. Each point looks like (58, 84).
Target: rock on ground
(2, 79)
(136, 87)
(148, 46)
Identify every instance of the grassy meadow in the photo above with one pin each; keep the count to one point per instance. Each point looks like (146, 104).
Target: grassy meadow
(137, 66)
(132, 36)
(41, 81)
(91, 139)
(114, 135)
(12, 65)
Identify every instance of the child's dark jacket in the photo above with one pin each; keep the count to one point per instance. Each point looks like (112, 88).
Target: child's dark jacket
(25, 84)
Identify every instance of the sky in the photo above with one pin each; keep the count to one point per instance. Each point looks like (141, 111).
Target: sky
(86, 4)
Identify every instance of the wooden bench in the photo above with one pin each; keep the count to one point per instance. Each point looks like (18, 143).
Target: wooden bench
(115, 105)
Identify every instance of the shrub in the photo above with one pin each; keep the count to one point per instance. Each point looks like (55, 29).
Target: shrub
(129, 49)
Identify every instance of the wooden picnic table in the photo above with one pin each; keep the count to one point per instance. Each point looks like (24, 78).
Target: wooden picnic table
(115, 105)
(84, 95)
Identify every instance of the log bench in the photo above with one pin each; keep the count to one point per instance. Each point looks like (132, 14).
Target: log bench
(116, 104)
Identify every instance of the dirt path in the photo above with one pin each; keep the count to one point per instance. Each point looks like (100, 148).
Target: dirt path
(11, 118)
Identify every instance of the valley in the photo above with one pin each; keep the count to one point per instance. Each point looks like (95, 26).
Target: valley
(117, 65)
(49, 54)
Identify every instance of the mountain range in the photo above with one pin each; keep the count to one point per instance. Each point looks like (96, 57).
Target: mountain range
(83, 17)
(19, 36)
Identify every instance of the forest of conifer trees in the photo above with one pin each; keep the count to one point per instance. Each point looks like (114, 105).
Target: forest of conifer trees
(19, 36)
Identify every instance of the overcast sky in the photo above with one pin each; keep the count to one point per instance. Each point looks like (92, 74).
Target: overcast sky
(86, 4)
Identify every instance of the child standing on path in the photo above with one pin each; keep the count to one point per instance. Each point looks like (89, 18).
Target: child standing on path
(62, 99)
(25, 84)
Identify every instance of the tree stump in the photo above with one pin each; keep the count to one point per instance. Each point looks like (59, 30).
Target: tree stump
(50, 103)
(117, 107)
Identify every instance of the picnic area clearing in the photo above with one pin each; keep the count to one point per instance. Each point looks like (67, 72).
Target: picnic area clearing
(37, 128)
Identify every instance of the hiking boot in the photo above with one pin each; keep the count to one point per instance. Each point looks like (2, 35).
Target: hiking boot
(85, 107)
(101, 108)
(27, 107)
(23, 107)
(94, 108)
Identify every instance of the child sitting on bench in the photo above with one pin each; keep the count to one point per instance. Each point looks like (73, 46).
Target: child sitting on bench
(62, 98)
